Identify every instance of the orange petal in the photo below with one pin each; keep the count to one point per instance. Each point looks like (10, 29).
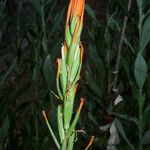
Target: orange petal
(69, 12)
(75, 89)
(91, 142)
(82, 51)
(58, 70)
(65, 47)
(81, 104)
(44, 115)
(82, 14)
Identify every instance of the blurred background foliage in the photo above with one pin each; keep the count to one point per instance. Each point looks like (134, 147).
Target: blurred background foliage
(31, 36)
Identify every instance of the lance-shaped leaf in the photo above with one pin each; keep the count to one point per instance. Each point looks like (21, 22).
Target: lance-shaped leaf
(145, 33)
(73, 125)
(68, 36)
(63, 72)
(57, 80)
(122, 132)
(60, 123)
(50, 130)
(140, 70)
(67, 105)
(73, 24)
(75, 67)
(146, 138)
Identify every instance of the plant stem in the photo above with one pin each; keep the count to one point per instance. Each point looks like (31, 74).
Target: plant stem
(140, 25)
(140, 118)
(64, 144)
(45, 47)
(140, 90)
(71, 141)
(120, 49)
(108, 68)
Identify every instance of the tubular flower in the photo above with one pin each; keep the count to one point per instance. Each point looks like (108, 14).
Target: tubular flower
(75, 13)
(74, 21)
(69, 67)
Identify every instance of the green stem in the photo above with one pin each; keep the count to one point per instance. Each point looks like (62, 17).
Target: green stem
(71, 141)
(108, 68)
(64, 144)
(140, 119)
(140, 28)
(45, 47)
(140, 90)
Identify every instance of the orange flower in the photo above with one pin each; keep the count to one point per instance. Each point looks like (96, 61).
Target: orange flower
(75, 9)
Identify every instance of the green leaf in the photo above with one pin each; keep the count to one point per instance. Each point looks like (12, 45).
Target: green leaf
(57, 21)
(126, 117)
(124, 5)
(4, 128)
(139, 3)
(37, 6)
(93, 119)
(98, 61)
(60, 123)
(46, 2)
(93, 85)
(73, 24)
(129, 44)
(68, 36)
(74, 123)
(145, 33)
(146, 138)
(52, 133)
(122, 132)
(8, 72)
(75, 66)
(113, 23)
(63, 75)
(90, 12)
(48, 72)
(140, 70)
(146, 116)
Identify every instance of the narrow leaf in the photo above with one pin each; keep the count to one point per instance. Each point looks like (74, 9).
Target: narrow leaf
(8, 72)
(122, 132)
(145, 33)
(90, 12)
(140, 70)
(146, 138)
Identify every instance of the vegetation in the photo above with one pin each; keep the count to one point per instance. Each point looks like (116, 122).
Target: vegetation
(43, 87)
